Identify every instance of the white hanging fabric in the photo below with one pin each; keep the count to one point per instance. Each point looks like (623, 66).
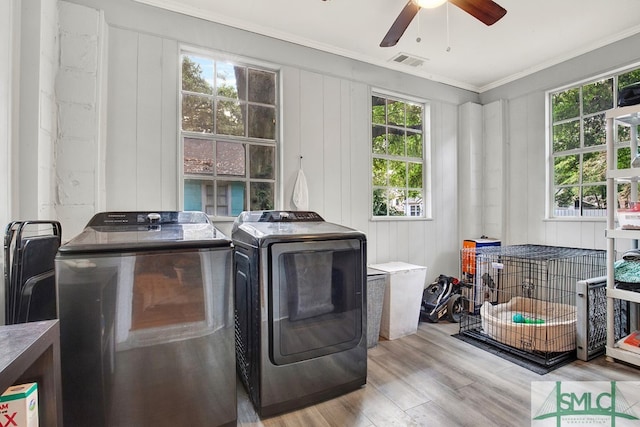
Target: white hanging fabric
(301, 192)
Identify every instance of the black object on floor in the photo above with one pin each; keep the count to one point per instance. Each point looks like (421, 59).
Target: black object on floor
(512, 357)
(29, 251)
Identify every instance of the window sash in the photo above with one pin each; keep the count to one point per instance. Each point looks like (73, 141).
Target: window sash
(577, 187)
(228, 165)
(394, 134)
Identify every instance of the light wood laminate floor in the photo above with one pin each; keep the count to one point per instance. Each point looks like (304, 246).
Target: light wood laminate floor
(432, 379)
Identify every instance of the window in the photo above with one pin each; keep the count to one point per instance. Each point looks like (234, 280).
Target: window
(229, 135)
(398, 157)
(578, 146)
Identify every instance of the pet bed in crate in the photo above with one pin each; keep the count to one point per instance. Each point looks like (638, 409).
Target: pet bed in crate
(556, 334)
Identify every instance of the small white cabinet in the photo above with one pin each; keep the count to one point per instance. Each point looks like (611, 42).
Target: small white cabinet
(630, 116)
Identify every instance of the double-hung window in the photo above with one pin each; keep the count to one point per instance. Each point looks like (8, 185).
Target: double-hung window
(229, 135)
(398, 147)
(578, 146)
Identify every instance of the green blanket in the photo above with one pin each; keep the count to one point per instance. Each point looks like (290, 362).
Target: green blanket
(627, 271)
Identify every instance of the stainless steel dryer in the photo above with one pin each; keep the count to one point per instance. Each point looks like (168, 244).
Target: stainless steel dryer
(146, 322)
(300, 308)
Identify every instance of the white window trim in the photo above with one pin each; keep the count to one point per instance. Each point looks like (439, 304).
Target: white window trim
(549, 166)
(426, 156)
(185, 49)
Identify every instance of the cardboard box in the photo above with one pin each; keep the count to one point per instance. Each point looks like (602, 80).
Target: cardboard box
(629, 219)
(631, 342)
(19, 406)
(475, 295)
(469, 248)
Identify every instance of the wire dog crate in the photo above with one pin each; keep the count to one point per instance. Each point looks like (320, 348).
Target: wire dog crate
(591, 302)
(523, 299)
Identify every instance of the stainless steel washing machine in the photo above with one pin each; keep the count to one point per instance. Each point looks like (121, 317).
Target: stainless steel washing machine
(300, 306)
(146, 322)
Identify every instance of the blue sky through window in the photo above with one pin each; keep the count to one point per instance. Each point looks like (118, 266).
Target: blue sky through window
(206, 65)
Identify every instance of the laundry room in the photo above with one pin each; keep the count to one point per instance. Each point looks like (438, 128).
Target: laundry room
(317, 212)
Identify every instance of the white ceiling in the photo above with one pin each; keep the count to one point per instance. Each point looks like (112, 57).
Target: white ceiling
(533, 35)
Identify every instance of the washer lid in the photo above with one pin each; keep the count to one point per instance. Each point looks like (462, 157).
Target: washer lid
(137, 231)
(278, 216)
(269, 226)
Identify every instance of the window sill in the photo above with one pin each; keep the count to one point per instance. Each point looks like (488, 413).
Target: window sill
(575, 219)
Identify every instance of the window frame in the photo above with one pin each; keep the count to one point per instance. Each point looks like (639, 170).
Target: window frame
(550, 210)
(214, 138)
(426, 156)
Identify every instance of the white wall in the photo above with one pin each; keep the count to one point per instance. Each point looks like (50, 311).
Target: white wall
(494, 185)
(326, 120)
(80, 100)
(28, 63)
(127, 110)
(142, 137)
(525, 173)
(53, 156)
(88, 110)
(38, 35)
(525, 155)
(470, 170)
(8, 15)
(7, 39)
(481, 157)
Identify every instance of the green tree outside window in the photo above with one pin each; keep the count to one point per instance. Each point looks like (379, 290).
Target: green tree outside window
(397, 147)
(578, 144)
(229, 119)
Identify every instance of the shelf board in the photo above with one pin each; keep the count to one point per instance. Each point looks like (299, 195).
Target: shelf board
(628, 174)
(618, 233)
(624, 355)
(629, 114)
(623, 295)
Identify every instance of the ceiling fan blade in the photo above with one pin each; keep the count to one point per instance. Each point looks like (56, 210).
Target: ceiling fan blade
(400, 24)
(487, 11)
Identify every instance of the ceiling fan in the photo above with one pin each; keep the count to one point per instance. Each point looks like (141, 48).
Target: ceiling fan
(486, 11)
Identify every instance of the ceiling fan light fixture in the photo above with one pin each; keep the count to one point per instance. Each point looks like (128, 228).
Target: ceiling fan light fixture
(429, 4)
(486, 11)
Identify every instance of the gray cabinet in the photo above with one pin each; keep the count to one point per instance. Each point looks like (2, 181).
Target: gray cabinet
(30, 352)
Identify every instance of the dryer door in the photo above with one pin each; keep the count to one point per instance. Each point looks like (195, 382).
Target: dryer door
(316, 298)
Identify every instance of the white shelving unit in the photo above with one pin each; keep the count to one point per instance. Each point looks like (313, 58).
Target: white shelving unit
(630, 116)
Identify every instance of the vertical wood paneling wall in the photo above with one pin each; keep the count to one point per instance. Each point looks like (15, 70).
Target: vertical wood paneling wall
(526, 142)
(494, 184)
(325, 121)
(524, 182)
(122, 147)
(37, 125)
(470, 170)
(325, 101)
(8, 11)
